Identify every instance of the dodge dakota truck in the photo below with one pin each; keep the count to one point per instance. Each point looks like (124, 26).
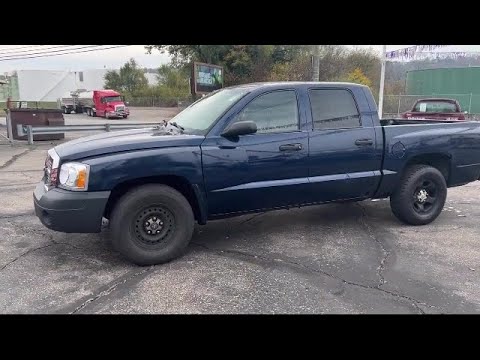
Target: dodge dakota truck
(247, 149)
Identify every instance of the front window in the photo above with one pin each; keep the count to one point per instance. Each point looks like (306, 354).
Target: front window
(201, 115)
(108, 99)
(435, 107)
(273, 112)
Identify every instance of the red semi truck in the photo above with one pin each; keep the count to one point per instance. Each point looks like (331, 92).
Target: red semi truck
(104, 103)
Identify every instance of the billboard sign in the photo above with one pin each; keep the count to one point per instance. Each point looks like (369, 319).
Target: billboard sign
(206, 78)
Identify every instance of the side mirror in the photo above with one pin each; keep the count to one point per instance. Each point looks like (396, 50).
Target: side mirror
(240, 128)
(465, 112)
(127, 103)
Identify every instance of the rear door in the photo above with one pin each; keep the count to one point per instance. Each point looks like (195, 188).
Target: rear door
(344, 162)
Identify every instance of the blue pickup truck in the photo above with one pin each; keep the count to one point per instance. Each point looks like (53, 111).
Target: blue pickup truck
(251, 148)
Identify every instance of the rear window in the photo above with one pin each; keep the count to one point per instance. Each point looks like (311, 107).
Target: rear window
(435, 106)
(333, 109)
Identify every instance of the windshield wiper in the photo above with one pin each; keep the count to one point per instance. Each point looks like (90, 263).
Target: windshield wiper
(177, 126)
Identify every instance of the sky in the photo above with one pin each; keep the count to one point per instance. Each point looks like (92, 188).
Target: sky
(115, 58)
(110, 59)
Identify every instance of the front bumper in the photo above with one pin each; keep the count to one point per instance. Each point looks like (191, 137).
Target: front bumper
(112, 114)
(69, 211)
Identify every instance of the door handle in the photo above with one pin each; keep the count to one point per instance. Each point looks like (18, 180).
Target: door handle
(363, 142)
(290, 147)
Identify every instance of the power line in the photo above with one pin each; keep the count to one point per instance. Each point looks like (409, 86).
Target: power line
(21, 47)
(43, 48)
(7, 57)
(68, 53)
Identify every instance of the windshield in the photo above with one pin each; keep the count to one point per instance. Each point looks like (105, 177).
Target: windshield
(435, 106)
(108, 99)
(201, 115)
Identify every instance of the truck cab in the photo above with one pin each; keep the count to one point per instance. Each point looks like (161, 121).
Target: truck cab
(110, 104)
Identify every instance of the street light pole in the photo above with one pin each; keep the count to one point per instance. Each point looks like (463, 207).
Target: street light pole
(316, 63)
(382, 82)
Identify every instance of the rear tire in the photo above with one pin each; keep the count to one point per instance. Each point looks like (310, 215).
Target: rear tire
(152, 224)
(421, 195)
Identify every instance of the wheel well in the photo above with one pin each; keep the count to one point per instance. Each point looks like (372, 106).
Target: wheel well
(438, 161)
(177, 182)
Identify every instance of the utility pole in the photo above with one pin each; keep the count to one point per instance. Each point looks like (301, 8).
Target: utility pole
(316, 63)
(382, 82)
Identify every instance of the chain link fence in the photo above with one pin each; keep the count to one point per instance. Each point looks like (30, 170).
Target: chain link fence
(394, 105)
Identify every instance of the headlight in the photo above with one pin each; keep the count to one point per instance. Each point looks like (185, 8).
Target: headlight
(74, 176)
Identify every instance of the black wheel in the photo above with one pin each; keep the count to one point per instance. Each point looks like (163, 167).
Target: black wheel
(125, 116)
(421, 195)
(89, 112)
(152, 224)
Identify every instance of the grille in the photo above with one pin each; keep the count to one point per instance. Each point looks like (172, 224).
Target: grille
(120, 108)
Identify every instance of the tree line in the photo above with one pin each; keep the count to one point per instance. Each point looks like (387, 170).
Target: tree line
(253, 63)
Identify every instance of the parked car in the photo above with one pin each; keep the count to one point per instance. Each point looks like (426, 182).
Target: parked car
(247, 149)
(436, 109)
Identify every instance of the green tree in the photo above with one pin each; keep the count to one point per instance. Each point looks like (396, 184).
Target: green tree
(173, 83)
(242, 63)
(357, 76)
(130, 79)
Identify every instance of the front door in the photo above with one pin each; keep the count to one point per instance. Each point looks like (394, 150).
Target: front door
(265, 170)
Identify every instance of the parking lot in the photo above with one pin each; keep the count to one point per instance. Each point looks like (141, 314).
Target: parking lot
(337, 258)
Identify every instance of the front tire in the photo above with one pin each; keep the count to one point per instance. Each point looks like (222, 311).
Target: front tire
(152, 224)
(421, 195)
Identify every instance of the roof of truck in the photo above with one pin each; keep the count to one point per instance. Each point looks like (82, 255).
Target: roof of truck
(437, 99)
(107, 91)
(299, 83)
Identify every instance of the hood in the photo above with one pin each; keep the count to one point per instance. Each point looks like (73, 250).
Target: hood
(123, 140)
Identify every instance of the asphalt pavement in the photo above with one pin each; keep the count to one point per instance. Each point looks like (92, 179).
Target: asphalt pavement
(338, 258)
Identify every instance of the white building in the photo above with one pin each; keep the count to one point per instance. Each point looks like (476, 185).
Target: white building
(49, 85)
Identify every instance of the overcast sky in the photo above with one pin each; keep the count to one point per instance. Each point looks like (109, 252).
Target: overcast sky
(114, 58)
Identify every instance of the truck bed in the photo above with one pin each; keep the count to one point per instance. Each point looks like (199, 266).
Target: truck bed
(456, 145)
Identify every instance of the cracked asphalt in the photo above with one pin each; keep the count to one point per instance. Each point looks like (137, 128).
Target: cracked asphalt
(339, 258)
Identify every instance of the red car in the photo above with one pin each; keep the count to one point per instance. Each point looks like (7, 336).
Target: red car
(436, 109)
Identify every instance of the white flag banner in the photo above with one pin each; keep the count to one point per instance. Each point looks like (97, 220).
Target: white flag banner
(411, 52)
